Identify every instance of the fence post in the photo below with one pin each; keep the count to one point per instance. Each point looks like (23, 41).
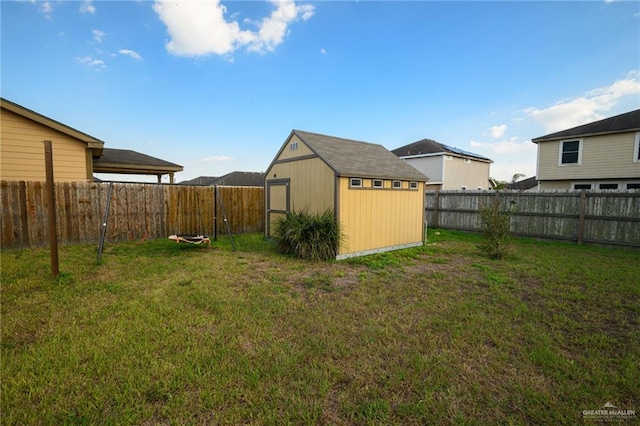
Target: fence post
(436, 206)
(583, 204)
(51, 199)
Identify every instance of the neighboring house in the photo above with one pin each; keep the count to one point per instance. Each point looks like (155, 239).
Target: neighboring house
(22, 151)
(76, 155)
(604, 154)
(447, 167)
(525, 185)
(377, 198)
(230, 179)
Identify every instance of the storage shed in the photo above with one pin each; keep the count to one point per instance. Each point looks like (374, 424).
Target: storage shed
(377, 198)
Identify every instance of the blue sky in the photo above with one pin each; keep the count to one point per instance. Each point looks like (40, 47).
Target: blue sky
(217, 86)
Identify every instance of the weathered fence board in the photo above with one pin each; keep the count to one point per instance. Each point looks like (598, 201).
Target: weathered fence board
(595, 217)
(137, 211)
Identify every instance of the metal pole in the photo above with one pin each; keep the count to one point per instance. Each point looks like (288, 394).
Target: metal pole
(51, 200)
(224, 217)
(103, 231)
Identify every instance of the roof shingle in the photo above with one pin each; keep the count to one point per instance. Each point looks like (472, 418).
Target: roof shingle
(359, 159)
(627, 122)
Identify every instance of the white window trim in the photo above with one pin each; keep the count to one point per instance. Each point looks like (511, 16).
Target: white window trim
(393, 184)
(636, 148)
(374, 181)
(580, 149)
(635, 182)
(573, 185)
(609, 183)
(413, 185)
(351, 185)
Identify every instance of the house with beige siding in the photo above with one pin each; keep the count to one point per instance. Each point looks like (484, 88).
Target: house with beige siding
(602, 155)
(76, 155)
(22, 150)
(377, 198)
(447, 167)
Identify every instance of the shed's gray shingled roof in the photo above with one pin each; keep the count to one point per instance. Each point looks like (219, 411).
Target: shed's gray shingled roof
(359, 159)
(429, 146)
(627, 122)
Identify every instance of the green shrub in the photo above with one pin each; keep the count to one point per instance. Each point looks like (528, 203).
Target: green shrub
(494, 223)
(314, 236)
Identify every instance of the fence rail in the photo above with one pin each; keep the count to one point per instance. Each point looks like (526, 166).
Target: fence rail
(136, 211)
(606, 217)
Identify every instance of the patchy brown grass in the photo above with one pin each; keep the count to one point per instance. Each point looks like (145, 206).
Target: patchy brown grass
(161, 333)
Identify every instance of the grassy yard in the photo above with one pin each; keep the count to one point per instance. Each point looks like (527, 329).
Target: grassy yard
(166, 333)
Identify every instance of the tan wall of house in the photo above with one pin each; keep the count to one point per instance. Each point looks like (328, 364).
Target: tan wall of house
(22, 151)
(377, 218)
(472, 175)
(555, 185)
(603, 157)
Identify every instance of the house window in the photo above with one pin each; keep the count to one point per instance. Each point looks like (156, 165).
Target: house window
(608, 186)
(355, 183)
(479, 188)
(463, 187)
(570, 152)
(377, 183)
(293, 146)
(413, 185)
(636, 149)
(633, 185)
(577, 186)
(397, 184)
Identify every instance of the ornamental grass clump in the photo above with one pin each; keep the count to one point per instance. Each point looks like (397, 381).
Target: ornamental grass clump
(495, 224)
(313, 236)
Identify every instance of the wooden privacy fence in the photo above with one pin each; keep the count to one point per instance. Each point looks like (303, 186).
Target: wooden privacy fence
(136, 211)
(583, 216)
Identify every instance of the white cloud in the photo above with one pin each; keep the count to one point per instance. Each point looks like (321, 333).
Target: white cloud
(592, 106)
(131, 53)
(498, 131)
(200, 28)
(90, 62)
(98, 35)
(217, 159)
(324, 52)
(505, 147)
(87, 7)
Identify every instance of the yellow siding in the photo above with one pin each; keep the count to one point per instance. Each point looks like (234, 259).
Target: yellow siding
(22, 151)
(300, 149)
(311, 186)
(373, 219)
(603, 157)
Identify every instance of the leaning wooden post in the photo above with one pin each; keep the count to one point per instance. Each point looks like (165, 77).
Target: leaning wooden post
(51, 199)
(583, 205)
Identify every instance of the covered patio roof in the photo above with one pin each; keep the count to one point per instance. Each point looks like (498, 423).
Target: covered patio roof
(125, 161)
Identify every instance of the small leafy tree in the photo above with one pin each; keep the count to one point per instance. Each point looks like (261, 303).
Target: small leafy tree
(313, 236)
(495, 223)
